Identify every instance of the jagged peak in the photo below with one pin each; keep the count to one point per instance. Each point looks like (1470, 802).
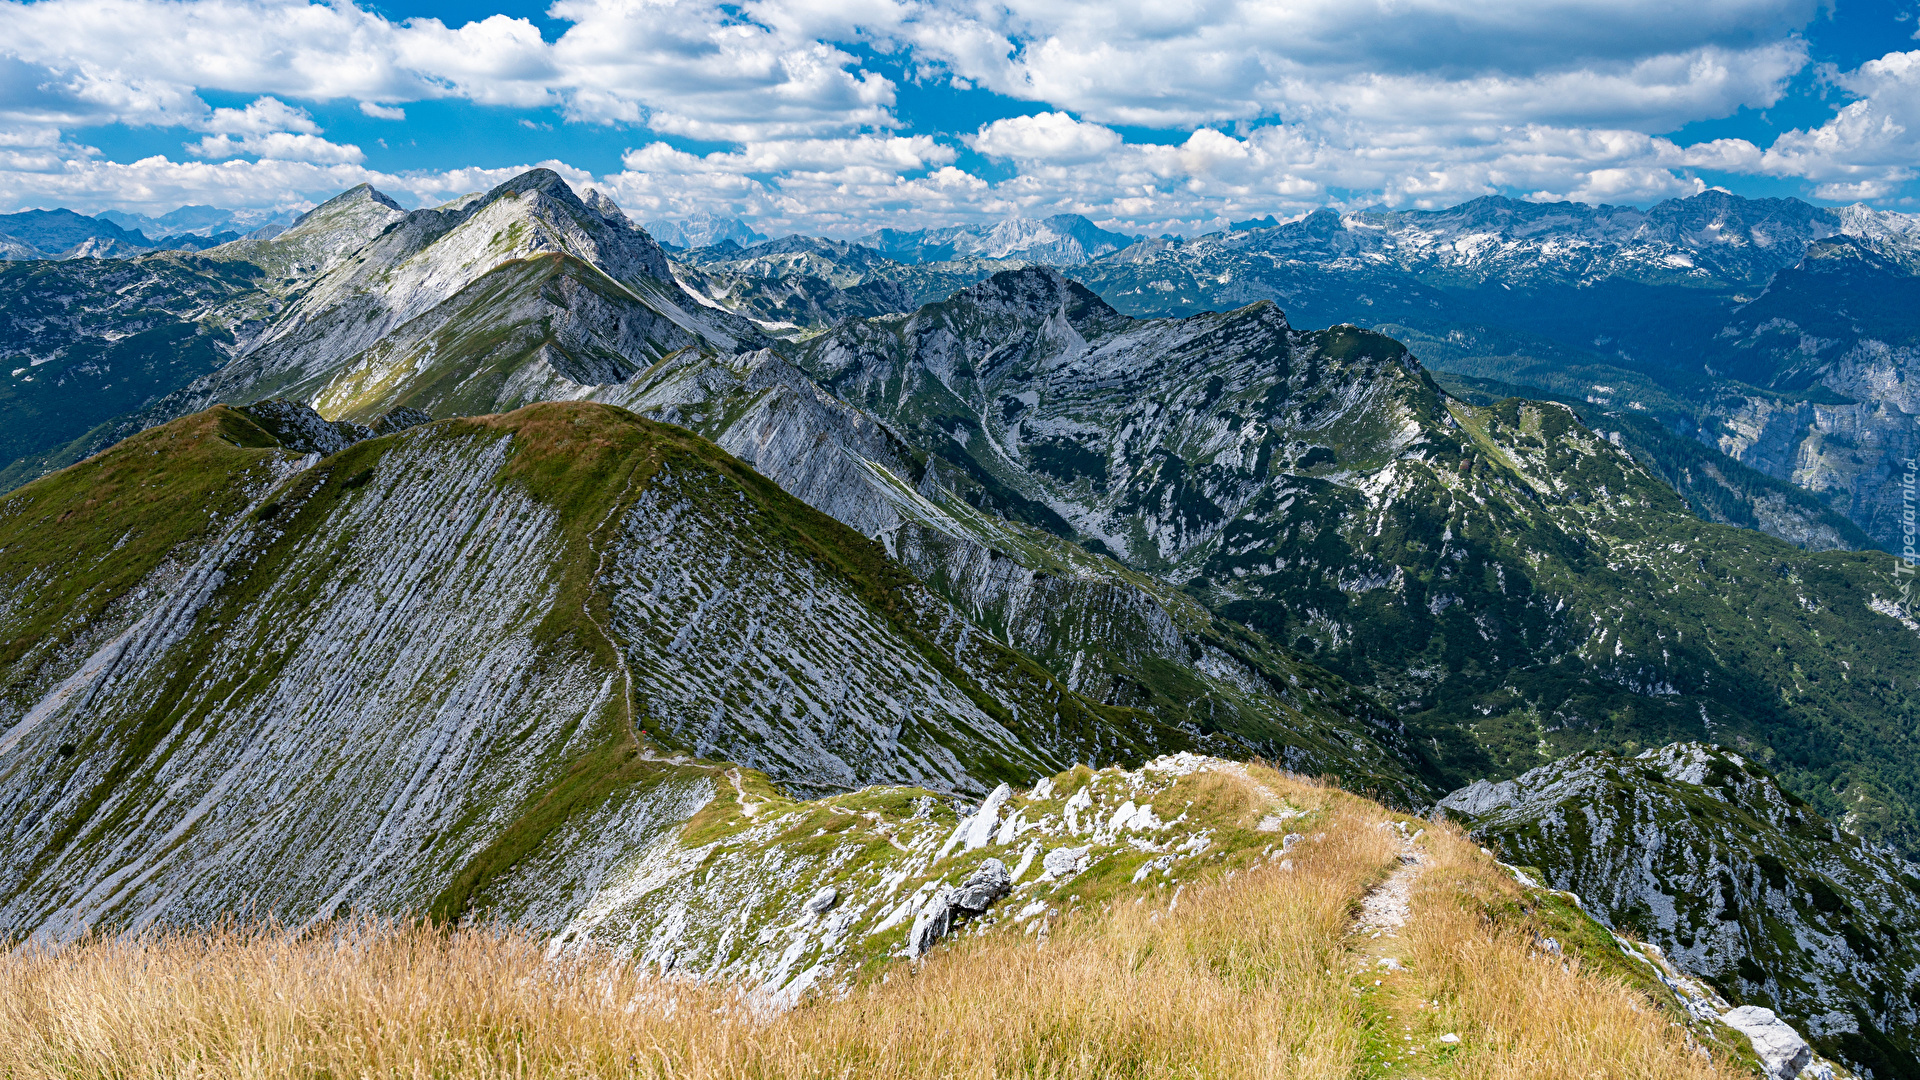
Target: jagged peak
(357, 195)
(550, 185)
(594, 228)
(545, 181)
(600, 203)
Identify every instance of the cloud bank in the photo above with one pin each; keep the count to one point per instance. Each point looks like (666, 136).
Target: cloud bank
(805, 114)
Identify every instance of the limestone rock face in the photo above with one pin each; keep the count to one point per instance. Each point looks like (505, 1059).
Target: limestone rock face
(932, 923)
(988, 883)
(1062, 861)
(302, 430)
(345, 677)
(1781, 1048)
(1699, 850)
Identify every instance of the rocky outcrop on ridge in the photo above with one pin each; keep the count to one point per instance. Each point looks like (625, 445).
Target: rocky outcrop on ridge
(1700, 851)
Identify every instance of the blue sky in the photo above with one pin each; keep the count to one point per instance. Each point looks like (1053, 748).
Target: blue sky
(839, 117)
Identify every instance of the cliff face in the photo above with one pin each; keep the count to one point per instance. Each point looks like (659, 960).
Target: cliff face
(1699, 850)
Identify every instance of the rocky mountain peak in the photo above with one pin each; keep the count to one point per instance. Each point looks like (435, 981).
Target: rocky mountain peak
(554, 218)
(1035, 294)
(598, 201)
(354, 200)
(542, 180)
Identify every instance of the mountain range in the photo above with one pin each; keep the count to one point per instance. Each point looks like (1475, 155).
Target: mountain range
(474, 558)
(63, 234)
(1770, 332)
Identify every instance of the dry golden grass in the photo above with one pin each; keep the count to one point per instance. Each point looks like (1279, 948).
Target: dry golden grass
(1519, 1011)
(1246, 978)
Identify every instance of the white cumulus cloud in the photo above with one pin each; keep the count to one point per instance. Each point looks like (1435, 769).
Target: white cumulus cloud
(1255, 106)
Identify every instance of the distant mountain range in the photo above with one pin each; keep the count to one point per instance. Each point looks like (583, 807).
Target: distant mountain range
(205, 221)
(1062, 240)
(63, 234)
(704, 229)
(1760, 354)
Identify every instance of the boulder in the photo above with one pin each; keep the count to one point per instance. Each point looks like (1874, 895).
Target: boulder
(1063, 861)
(933, 922)
(986, 822)
(823, 901)
(983, 887)
(400, 419)
(1781, 1048)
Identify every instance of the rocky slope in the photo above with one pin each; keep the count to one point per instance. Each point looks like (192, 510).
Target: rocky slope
(1514, 585)
(1114, 635)
(1700, 851)
(238, 676)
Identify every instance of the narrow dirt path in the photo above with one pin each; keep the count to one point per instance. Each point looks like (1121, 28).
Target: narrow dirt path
(1385, 909)
(1381, 976)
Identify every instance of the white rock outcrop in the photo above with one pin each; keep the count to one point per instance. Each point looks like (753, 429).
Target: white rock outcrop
(1781, 1048)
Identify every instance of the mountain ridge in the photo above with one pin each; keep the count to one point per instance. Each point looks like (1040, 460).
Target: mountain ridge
(417, 651)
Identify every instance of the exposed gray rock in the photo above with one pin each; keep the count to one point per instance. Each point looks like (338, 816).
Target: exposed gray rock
(1478, 797)
(1698, 850)
(980, 829)
(985, 885)
(1781, 1048)
(932, 923)
(823, 901)
(1063, 861)
(400, 419)
(301, 429)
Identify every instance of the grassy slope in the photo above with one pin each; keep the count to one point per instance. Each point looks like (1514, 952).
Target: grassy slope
(73, 545)
(1246, 970)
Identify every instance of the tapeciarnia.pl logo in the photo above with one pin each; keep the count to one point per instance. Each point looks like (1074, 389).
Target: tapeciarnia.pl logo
(1909, 558)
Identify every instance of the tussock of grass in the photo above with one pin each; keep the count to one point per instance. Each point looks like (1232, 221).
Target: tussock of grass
(1249, 976)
